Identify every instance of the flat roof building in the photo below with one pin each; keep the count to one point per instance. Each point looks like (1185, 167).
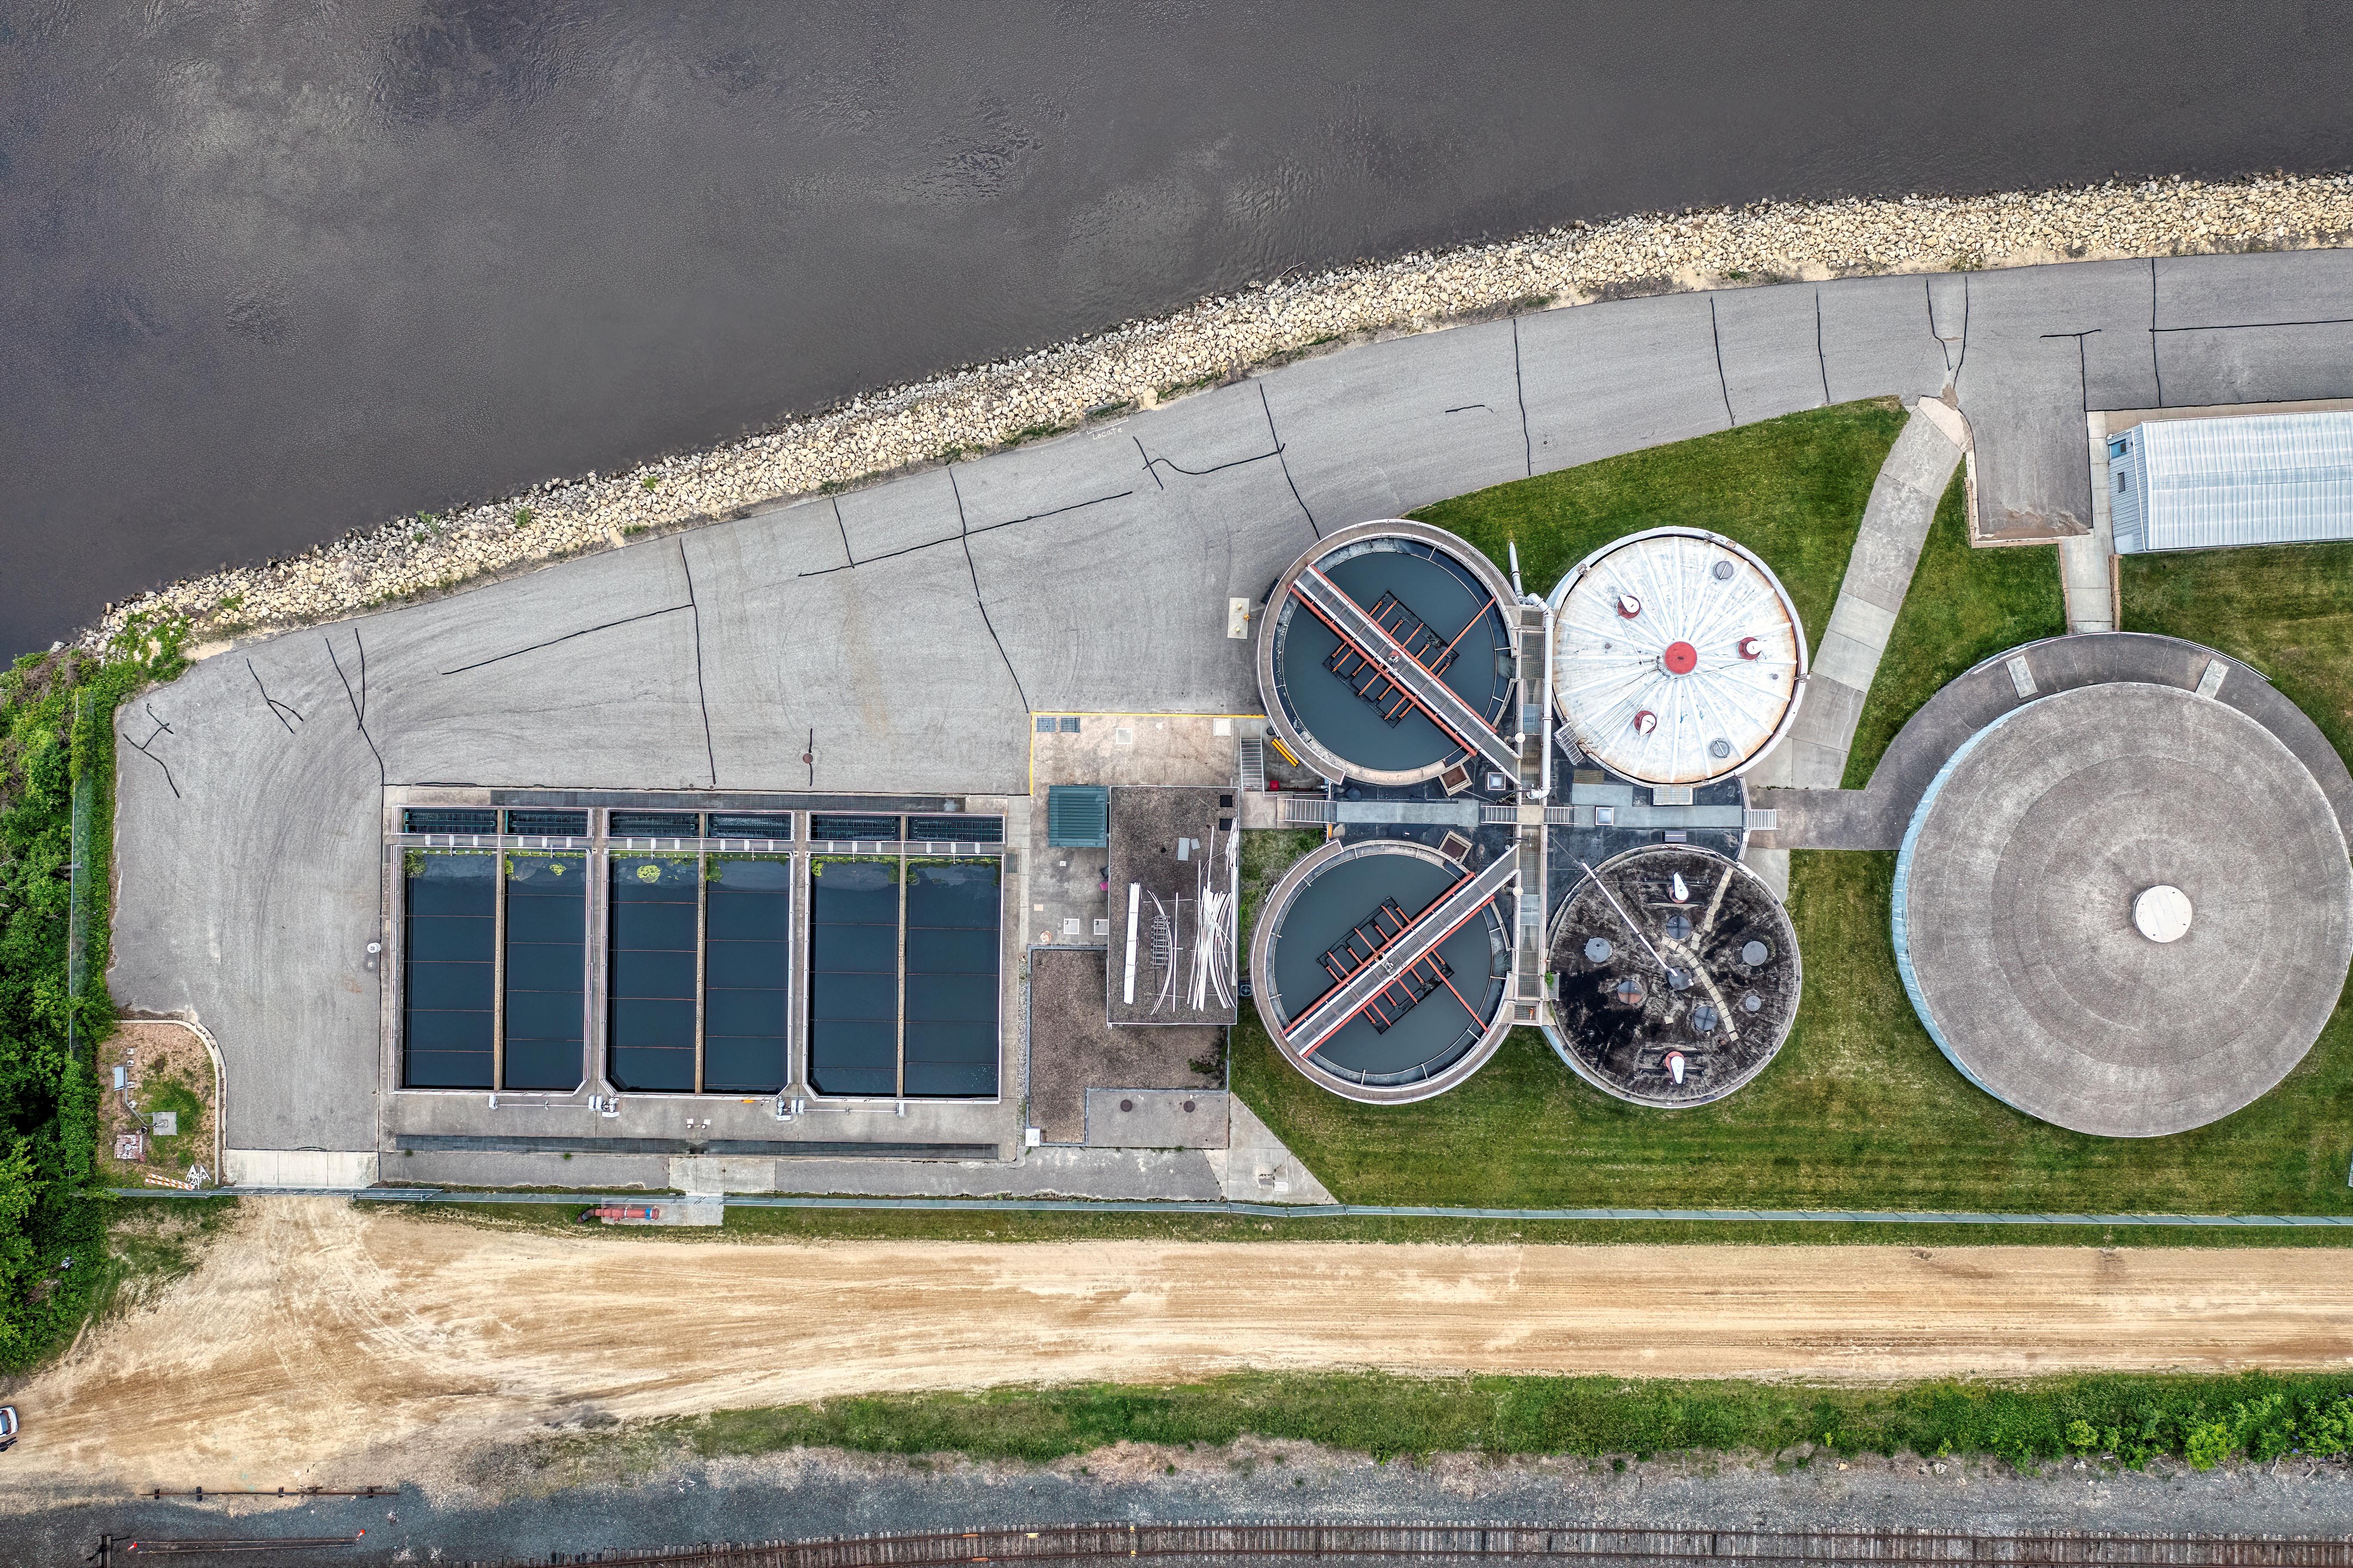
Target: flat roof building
(2266, 479)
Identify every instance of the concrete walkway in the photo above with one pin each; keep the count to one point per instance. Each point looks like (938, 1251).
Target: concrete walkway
(1875, 816)
(2085, 567)
(1878, 574)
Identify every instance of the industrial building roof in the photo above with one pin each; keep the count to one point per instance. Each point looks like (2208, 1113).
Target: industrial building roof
(2269, 478)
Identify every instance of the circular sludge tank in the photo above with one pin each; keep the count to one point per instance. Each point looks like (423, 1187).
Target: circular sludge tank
(1379, 969)
(1329, 678)
(2124, 909)
(1676, 977)
(1677, 656)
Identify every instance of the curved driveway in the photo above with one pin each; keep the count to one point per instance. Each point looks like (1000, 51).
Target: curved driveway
(911, 627)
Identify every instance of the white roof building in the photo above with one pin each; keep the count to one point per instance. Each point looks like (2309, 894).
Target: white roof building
(2266, 479)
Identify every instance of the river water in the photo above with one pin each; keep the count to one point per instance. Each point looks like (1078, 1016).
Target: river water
(274, 271)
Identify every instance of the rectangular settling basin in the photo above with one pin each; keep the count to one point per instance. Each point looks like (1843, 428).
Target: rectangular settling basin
(904, 977)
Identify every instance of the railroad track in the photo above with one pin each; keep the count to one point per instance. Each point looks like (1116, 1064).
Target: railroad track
(1429, 1543)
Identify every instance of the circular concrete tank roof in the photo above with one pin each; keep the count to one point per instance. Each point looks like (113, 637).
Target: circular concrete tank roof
(1347, 905)
(2026, 873)
(1678, 976)
(1676, 656)
(1436, 601)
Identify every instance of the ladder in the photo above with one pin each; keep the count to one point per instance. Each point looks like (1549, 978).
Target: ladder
(1253, 755)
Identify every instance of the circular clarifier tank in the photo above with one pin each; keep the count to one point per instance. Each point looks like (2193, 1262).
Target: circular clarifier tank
(1355, 632)
(1379, 974)
(1677, 976)
(2124, 909)
(1677, 656)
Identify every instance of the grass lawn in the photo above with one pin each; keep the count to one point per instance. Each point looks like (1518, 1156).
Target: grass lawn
(761, 1224)
(1792, 490)
(1964, 605)
(2123, 1419)
(2287, 610)
(1860, 1109)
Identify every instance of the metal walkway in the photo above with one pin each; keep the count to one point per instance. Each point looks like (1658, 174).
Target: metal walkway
(1388, 966)
(1354, 626)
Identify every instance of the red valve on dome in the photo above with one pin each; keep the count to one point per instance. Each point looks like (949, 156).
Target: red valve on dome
(1629, 605)
(1751, 648)
(1645, 721)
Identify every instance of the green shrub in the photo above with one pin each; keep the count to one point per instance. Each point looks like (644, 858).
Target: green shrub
(57, 728)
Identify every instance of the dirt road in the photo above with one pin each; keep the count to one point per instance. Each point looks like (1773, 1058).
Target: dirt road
(318, 1331)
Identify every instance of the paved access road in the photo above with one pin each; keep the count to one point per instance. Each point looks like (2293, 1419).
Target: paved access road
(911, 627)
(320, 1338)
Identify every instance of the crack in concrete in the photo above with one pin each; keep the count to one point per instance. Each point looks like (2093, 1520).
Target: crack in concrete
(1520, 390)
(358, 700)
(965, 533)
(141, 748)
(1268, 408)
(701, 695)
(979, 599)
(1715, 332)
(585, 631)
(1821, 359)
(278, 709)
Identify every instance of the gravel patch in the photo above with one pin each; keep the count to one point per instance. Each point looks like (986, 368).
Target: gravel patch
(1142, 362)
(516, 1503)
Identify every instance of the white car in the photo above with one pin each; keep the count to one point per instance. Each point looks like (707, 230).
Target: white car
(7, 1427)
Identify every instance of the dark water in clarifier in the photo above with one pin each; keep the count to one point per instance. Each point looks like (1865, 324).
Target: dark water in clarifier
(274, 271)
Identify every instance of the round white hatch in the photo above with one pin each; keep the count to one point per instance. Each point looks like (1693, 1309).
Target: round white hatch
(2162, 913)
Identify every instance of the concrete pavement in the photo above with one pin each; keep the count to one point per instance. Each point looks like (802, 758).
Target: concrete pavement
(902, 635)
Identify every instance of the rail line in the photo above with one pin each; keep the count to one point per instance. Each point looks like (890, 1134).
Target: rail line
(1420, 1543)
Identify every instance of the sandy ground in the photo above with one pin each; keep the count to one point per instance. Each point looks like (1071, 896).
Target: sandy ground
(319, 1335)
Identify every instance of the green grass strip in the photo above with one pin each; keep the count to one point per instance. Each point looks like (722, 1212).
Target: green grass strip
(778, 1222)
(2128, 1419)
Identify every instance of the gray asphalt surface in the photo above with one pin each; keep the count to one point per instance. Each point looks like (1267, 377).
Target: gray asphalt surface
(1089, 573)
(805, 1495)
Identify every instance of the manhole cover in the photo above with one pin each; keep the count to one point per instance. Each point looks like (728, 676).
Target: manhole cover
(1127, 1105)
(1753, 953)
(1597, 950)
